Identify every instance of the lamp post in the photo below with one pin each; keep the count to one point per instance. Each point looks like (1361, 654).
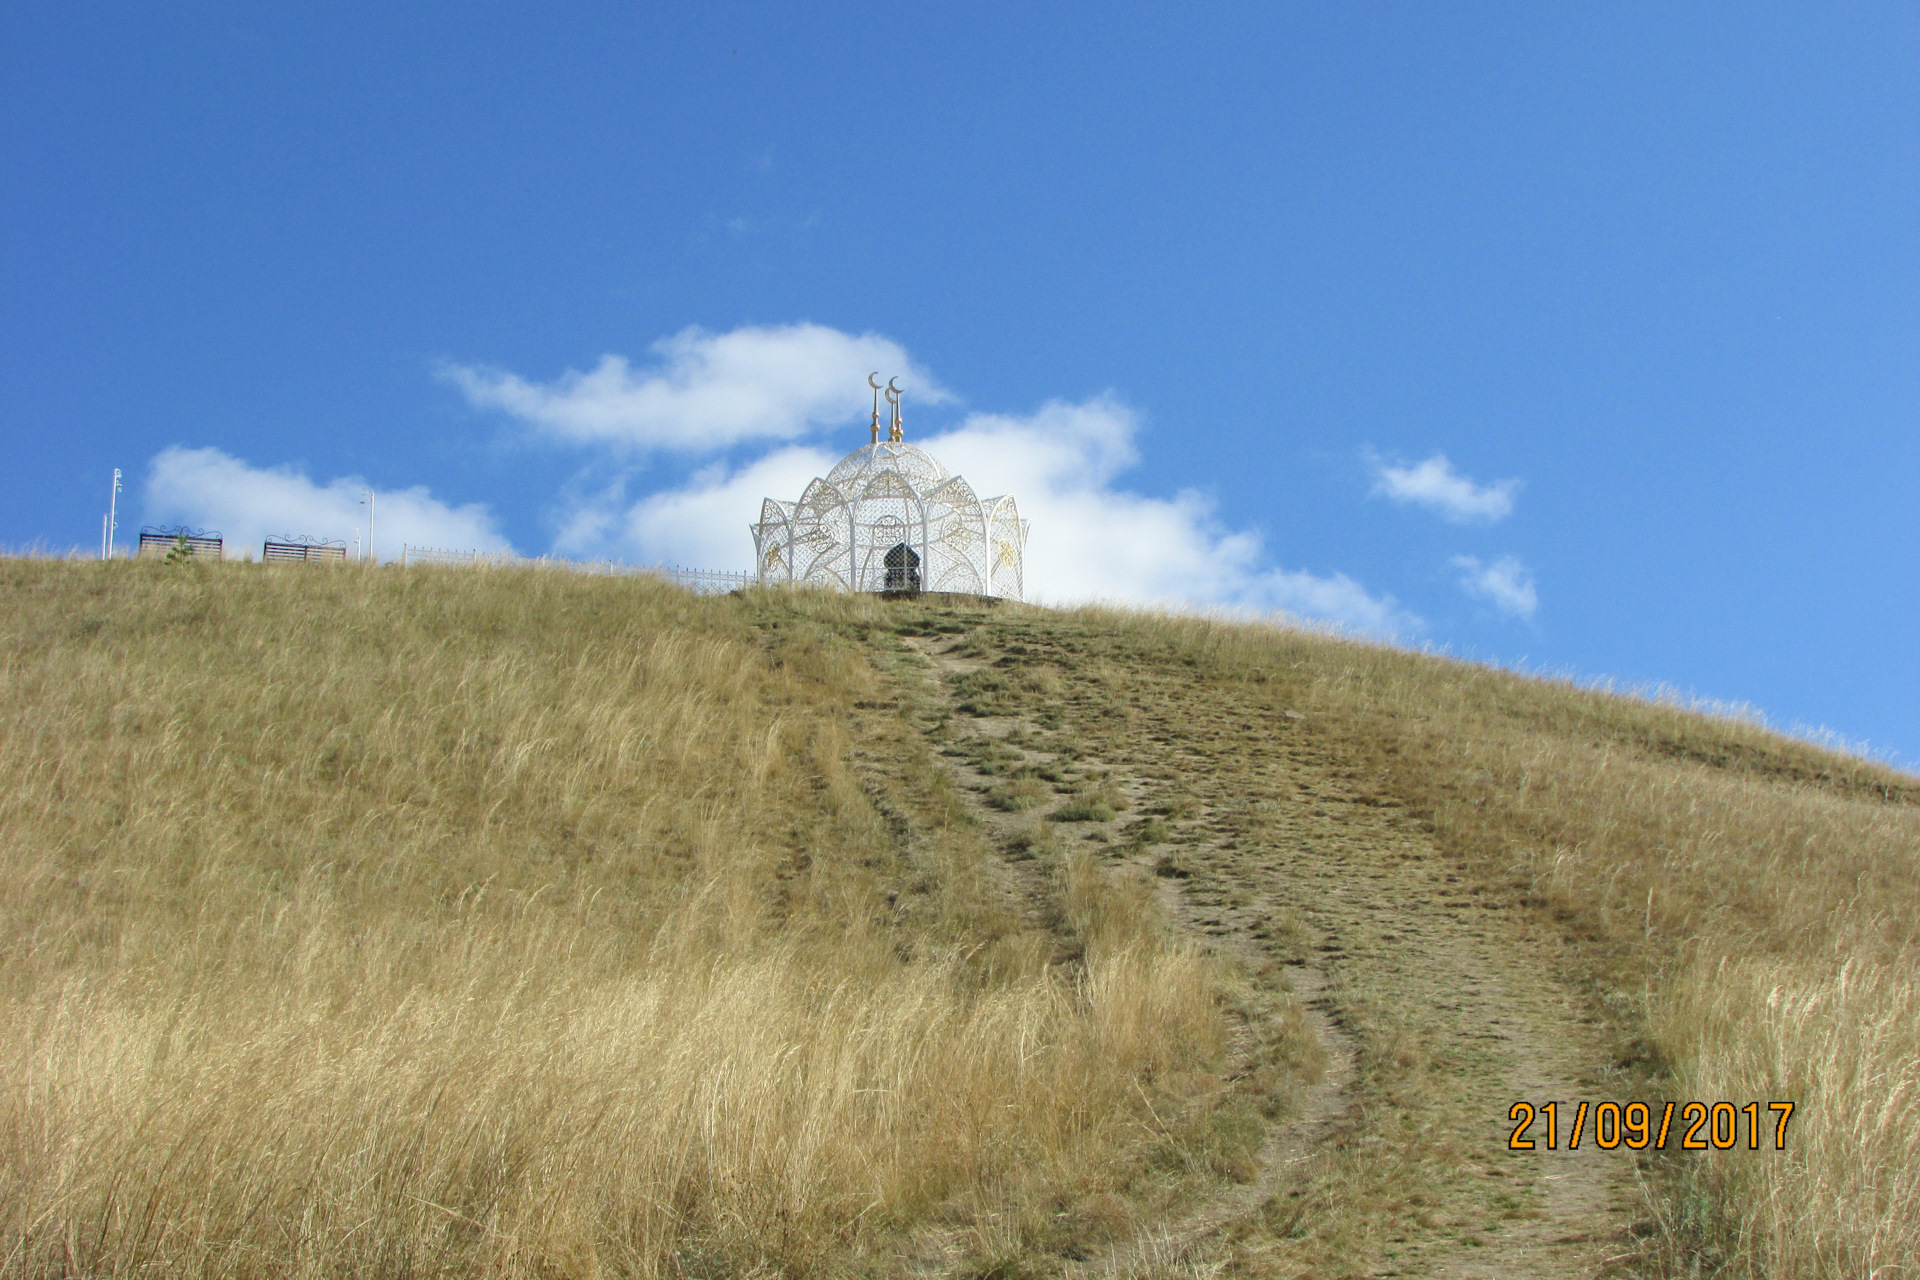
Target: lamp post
(110, 522)
(367, 502)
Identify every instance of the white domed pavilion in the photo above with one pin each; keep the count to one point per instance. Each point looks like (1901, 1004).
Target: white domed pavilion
(889, 518)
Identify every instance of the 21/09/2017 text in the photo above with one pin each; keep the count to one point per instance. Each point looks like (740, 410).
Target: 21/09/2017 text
(1638, 1125)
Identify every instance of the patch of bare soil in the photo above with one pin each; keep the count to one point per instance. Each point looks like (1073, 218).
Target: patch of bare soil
(1439, 1002)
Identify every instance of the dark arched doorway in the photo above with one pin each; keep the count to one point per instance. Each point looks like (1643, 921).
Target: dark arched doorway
(903, 571)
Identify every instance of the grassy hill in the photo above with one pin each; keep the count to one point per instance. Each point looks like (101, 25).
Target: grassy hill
(524, 923)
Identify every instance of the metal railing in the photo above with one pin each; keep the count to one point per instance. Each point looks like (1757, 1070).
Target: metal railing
(705, 582)
(288, 547)
(157, 540)
(463, 559)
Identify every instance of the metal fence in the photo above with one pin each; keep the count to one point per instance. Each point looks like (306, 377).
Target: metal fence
(704, 582)
(287, 547)
(156, 540)
(464, 559)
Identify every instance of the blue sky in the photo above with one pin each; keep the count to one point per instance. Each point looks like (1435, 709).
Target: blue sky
(1582, 337)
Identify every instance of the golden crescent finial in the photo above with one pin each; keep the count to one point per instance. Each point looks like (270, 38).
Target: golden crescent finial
(870, 379)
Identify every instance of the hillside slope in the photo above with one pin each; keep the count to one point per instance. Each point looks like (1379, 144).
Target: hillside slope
(525, 923)
(1509, 890)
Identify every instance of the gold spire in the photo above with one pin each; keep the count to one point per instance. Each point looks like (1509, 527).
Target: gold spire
(895, 434)
(876, 404)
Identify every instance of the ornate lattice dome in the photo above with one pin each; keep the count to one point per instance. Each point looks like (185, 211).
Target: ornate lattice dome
(890, 518)
(909, 460)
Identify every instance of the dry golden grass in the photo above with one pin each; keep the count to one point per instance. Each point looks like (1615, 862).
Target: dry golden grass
(522, 923)
(1748, 903)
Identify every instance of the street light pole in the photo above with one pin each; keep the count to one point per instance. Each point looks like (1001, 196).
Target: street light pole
(112, 522)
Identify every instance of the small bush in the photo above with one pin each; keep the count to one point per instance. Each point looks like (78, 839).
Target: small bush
(993, 759)
(1018, 794)
(994, 692)
(983, 693)
(1088, 806)
(1032, 842)
(1151, 831)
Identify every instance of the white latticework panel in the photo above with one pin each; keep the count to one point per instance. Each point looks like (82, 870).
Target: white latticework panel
(889, 495)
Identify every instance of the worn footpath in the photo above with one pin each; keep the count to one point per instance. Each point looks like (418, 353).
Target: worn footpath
(1438, 1002)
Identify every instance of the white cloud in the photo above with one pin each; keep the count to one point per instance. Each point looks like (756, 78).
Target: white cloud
(211, 489)
(1435, 485)
(704, 391)
(1095, 541)
(702, 524)
(1506, 584)
(1091, 539)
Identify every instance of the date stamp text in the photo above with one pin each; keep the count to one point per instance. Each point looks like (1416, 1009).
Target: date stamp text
(1695, 1126)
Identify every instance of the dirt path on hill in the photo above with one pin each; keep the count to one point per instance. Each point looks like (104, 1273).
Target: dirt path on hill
(1438, 1003)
